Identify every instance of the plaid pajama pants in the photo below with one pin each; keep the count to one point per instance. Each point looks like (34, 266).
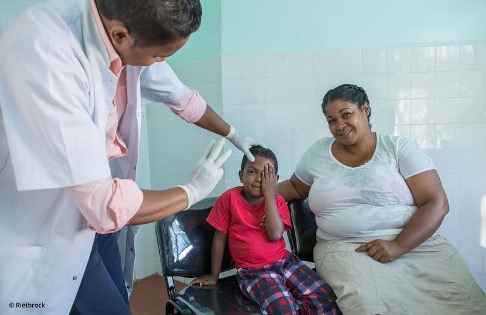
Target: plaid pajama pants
(288, 286)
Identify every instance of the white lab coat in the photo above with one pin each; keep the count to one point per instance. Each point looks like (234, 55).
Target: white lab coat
(55, 92)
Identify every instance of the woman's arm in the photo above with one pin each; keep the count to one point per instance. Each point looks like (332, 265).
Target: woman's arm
(432, 203)
(293, 188)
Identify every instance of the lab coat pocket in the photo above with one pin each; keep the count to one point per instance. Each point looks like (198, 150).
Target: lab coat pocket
(19, 265)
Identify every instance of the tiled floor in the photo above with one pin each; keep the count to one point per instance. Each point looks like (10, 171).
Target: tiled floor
(149, 296)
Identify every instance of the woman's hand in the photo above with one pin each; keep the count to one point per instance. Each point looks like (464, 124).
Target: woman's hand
(381, 250)
(205, 280)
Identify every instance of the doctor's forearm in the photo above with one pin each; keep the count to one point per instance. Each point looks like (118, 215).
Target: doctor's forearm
(157, 205)
(211, 121)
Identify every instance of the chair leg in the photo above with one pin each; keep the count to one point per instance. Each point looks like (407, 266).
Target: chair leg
(169, 309)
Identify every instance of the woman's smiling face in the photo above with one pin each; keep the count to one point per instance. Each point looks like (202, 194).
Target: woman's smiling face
(347, 122)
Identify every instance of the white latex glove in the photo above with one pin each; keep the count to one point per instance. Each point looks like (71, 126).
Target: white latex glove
(243, 143)
(206, 173)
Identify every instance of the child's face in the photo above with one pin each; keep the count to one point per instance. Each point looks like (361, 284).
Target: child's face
(251, 176)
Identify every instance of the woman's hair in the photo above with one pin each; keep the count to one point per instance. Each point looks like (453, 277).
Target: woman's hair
(349, 93)
(263, 152)
(154, 22)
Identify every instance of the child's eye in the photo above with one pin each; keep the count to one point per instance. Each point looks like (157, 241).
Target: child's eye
(330, 122)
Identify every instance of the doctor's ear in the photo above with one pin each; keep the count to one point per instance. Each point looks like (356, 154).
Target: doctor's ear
(119, 35)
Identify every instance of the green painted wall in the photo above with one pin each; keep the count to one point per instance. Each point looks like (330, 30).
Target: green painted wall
(206, 42)
(269, 26)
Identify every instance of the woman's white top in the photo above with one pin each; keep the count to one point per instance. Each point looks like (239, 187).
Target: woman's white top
(368, 200)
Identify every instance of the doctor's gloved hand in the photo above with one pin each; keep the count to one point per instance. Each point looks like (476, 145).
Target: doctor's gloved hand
(206, 173)
(243, 143)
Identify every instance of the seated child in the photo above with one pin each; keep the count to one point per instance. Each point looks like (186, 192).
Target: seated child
(253, 219)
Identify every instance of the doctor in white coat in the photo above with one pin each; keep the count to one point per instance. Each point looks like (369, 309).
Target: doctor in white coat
(73, 74)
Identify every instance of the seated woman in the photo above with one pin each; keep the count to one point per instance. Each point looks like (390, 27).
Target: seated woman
(378, 202)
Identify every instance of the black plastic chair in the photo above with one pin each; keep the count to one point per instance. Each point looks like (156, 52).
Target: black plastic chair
(302, 236)
(184, 242)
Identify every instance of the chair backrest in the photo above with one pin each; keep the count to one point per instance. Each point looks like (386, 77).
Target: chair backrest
(185, 240)
(302, 236)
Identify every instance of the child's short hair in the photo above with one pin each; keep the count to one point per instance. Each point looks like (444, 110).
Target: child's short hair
(263, 152)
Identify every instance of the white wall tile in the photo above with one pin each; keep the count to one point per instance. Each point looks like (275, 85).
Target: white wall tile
(213, 69)
(472, 162)
(230, 67)
(422, 59)
(301, 114)
(277, 90)
(448, 137)
(373, 60)
(301, 88)
(398, 86)
(300, 64)
(278, 116)
(252, 66)
(473, 57)
(448, 111)
(422, 111)
(422, 85)
(375, 85)
(278, 140)
(469, 216)
(322, 84)
(349, 61)
(472, 186)
(301, 139)
(397, 60)
(473, 84)
(473, 110)
(349, 77)
(252, 91)
(254, 116)
(448, 163)
(403, 131)
(232, 114)
(448, 84)
(399, 112)
(424, 136)
(469, 136)
(232, 92)
(324, 63)
(380, 113)
(448, 58)
(469, 236)
(276, 65)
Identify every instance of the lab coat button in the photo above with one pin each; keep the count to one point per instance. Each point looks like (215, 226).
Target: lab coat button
(74, 278)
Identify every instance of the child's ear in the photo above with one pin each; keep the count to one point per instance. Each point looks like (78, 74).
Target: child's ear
(240, 175)
(278, 176)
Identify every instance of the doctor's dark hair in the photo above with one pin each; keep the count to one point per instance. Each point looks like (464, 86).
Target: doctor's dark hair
(263, 152)
(154, 22)
(349, 93)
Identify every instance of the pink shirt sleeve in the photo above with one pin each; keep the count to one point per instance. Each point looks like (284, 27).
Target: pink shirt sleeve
(107, 204)
(190, 106)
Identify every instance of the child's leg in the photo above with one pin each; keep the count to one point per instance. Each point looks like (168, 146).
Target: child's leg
(266, 287)
(313, 294)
